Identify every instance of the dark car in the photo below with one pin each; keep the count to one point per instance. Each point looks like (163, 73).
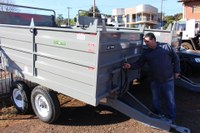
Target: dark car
(190, 61)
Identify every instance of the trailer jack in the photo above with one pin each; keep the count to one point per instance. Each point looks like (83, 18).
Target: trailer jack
(132, 107)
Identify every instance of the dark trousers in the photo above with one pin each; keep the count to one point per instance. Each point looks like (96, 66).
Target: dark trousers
(167, 91)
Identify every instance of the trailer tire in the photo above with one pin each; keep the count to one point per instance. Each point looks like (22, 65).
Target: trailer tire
(21, 97)
(45, 104)
(187, 45)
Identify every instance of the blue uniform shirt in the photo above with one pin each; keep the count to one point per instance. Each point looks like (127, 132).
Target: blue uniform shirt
(162, 62)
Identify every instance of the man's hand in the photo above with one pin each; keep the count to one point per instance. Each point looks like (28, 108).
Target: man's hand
(177, 75)
(127, 66)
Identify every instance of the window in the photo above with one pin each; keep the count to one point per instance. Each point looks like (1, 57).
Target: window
(120, 19)
(127, 18)
(148, 17)
(139, 17)
(133, 18)
(196, 9)
(181, 27)
(153, 18)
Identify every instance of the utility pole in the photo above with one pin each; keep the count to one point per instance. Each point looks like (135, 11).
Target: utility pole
(161, 22)
(161, 14)
(94, 6)
(68, 9)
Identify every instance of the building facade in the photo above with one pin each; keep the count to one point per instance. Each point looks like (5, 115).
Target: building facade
(191, 9)
(146, 15)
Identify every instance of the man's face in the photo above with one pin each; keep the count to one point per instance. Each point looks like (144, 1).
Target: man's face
(150, 42)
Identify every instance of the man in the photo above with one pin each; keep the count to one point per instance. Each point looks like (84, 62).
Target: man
(163, 66)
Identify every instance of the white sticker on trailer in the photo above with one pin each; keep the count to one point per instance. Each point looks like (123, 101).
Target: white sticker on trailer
(157, 33)
(80, 36)
(26, 69)
(135, 51)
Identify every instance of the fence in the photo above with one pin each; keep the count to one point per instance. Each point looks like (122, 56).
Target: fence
(5, 83)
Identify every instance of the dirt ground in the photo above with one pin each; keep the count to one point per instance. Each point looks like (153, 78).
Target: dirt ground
(77, 117)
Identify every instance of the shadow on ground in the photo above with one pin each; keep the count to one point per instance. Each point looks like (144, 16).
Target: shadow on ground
(89, 115)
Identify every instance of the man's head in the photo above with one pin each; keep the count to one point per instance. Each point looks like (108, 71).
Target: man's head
(150, 40)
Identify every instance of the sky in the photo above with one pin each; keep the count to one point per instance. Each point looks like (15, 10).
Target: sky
(170, 7)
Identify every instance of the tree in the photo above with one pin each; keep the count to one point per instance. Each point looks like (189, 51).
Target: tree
(7, 8)
(171, 19)
(72, 21)
(178, 16)
(97, 12)
(60, 20)
(90, 12)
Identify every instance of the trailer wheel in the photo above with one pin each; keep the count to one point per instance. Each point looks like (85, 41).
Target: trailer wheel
(45, 104)
(187, 46)
(20, 96)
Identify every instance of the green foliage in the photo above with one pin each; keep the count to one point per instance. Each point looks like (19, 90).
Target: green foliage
(90, 13)
(60, 20)
(178, 16)
(96, 9)
(171, 19)
(72, 21)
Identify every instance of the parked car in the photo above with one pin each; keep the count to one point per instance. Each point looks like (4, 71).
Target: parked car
(190, 61)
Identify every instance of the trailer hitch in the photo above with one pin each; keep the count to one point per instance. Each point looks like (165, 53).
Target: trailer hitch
(180, 129)
(132, 107)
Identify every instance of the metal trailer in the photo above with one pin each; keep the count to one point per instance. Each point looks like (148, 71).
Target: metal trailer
(16, 18)
(83, 62)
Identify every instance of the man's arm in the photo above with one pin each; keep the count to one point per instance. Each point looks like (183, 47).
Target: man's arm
(136, 65)
(176, 63)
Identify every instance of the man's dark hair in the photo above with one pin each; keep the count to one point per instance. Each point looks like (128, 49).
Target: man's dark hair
(150, 36)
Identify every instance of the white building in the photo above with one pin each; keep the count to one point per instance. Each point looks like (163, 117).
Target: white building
(133, 17)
